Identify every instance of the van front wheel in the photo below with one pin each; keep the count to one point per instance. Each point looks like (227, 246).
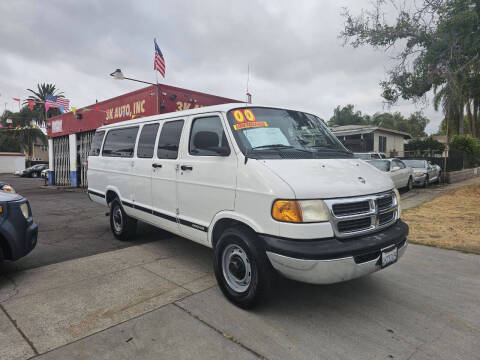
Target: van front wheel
(122, 225)
(241, 267)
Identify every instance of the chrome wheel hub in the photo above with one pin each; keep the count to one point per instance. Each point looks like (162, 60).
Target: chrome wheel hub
(117, 219)
(236, 267)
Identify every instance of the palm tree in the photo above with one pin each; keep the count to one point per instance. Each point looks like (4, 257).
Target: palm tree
(39, 98)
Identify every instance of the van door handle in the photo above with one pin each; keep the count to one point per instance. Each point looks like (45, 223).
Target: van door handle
(186, 167)
(157, 165)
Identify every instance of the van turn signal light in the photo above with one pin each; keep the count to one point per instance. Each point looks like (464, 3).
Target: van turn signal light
(287, 211)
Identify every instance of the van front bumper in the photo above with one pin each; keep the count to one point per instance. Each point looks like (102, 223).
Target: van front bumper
(326, 261)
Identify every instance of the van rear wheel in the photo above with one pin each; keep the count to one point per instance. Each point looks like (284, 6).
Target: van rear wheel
(122, 225)
(242, 268)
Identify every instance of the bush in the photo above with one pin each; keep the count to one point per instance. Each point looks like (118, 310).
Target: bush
(465, 144)
(428, 143)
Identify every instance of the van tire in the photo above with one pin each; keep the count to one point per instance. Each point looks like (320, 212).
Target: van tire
(241, 246)
(123, 226)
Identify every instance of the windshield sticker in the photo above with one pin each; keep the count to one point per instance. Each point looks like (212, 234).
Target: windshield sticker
(266, 136)
(246, 119)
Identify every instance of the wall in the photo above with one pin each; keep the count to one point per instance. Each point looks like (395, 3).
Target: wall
(40, 153)
(456, 176)
(11, 162)
(394, 142)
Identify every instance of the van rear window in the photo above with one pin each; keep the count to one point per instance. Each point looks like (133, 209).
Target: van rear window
(96, 143)
(120, 142)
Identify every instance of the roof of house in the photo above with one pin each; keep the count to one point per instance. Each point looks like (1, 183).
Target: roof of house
(347, 130)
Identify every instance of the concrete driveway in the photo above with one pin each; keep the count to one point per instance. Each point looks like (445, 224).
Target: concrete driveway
(159, 300)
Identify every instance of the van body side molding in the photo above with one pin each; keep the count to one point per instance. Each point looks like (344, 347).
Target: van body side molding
(91, 192)
(165, 216)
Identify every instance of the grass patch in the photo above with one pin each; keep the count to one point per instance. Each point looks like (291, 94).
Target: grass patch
(451, 221)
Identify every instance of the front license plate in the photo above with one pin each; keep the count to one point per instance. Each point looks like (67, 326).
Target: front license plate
(389, 257)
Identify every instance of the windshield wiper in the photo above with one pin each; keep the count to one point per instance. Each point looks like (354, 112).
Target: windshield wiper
(281, 147)
(273, 146)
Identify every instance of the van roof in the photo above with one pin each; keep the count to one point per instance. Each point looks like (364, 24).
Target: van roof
(201, 110)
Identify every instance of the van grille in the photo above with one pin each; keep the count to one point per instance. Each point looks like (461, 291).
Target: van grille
(385, 218)
(351, 208)
(363, 214)
(354, 225)
(384, 202)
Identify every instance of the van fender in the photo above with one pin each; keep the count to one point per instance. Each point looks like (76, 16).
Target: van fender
(226, 214)
(115, 190)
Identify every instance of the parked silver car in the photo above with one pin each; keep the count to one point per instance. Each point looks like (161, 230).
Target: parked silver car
(424, 172)
(400, 173)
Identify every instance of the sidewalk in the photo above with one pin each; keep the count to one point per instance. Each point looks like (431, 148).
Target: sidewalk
(159, 300)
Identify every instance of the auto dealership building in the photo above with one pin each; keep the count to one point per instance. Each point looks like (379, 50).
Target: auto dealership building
(70, 135)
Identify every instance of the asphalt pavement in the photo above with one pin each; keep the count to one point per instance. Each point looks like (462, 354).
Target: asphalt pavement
(156, 298)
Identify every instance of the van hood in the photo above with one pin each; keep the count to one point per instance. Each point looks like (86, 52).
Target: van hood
(330, 178)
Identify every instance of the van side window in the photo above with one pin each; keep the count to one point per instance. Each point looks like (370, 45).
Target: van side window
(146, 142)
(120, 142)
(96, 143)
(207, 136)
(169, 140)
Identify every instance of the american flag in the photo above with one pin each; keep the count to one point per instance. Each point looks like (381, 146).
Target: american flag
(51, 100)
(63, 102)
(159, 63)
(56, 102)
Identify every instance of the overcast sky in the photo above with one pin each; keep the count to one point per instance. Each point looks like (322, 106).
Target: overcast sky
(296, 58)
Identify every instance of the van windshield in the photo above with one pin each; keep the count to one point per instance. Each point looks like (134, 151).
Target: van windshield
(269, 133)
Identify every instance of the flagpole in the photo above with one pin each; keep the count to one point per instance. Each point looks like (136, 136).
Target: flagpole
(156, 91)
(156, 78)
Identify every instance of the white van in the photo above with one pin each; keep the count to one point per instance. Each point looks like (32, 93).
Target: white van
(269, 189)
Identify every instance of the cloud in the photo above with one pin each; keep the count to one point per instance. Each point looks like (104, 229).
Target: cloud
(292, 48)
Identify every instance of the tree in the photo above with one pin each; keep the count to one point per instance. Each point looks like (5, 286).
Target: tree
(39, 96)
(347, 116)
(25, 138)
(415, 124)
(465, 144)
(440, 46)
(427, 144)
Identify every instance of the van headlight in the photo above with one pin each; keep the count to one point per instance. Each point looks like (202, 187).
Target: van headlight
(300, 211)
(24, 208)
(397, 195)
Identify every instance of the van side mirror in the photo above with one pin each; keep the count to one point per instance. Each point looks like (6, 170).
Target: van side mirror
(222, 150)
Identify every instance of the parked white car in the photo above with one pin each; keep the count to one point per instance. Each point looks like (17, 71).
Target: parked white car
(424, 172)
(399, 172)
(270, 190)
(370, 155)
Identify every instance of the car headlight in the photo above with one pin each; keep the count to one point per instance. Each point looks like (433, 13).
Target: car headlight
(24, 208)
(8, 188)
(419, 173)
(301, 211)
(397, 195)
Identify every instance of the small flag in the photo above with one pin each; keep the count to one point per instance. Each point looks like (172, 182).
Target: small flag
(159, 62)
(61, 108)
(51, 101)
(97, 108)
(63, 102)
(31, 104)
(16, 99)
(74, 110)
(47, 106)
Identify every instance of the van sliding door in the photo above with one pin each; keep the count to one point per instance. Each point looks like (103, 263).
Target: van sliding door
(164, 173)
